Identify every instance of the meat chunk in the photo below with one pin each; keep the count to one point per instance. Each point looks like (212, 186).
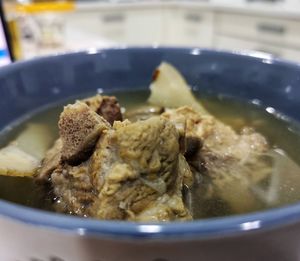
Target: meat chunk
(79, 129)
(229, 161)
(209, 139)
(93, 102)
(74, 190)
(171, 206)
(165, 208)
(50, 162)
(110, 109)
(137, 164)
(134, 172)
(106, 106)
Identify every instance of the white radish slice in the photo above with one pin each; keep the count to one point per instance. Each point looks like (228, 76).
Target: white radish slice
(35, 140)
(169, 89)
(16, 162)
(23, 156)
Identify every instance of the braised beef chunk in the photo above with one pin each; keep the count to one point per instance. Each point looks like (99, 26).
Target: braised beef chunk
(192, 146)
(79, 129)
(135, 169)
(209, 140)
(73, 189)
(229, 161)
(106, 106)
(94, 102)
(110, 109)
(50, 162)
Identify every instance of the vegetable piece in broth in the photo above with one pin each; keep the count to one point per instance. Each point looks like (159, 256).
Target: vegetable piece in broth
(23, 156)
(169, 89)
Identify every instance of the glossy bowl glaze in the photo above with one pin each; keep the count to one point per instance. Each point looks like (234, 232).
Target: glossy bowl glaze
(28, 234)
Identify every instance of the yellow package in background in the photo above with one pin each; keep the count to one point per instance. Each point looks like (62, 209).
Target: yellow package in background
(36, 27)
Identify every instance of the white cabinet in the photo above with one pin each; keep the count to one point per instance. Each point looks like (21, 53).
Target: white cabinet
(188, 27)
(277, 36)
(231, 43)
(185, 25)
(112, 25)
(277, 31)
(144, 26)
(135, 26)
(88, 26)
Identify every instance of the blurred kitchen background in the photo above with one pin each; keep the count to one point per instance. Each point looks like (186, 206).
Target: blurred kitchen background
(50, 27)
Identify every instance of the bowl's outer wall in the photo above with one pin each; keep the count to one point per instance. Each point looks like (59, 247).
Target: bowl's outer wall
(26, 86)
(21, 242)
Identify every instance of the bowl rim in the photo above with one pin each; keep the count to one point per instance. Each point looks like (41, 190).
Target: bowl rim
(206, 228)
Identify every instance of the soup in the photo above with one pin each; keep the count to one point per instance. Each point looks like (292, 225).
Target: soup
(215, 184)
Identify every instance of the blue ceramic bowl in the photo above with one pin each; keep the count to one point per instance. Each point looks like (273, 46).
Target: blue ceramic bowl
(28, 234)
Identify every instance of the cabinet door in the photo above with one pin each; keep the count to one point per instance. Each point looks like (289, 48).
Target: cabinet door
(100, 25)
(81, 23)
(144, 26)
(278, 31)
(112, 25)
(235, 44)
(188, 27)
